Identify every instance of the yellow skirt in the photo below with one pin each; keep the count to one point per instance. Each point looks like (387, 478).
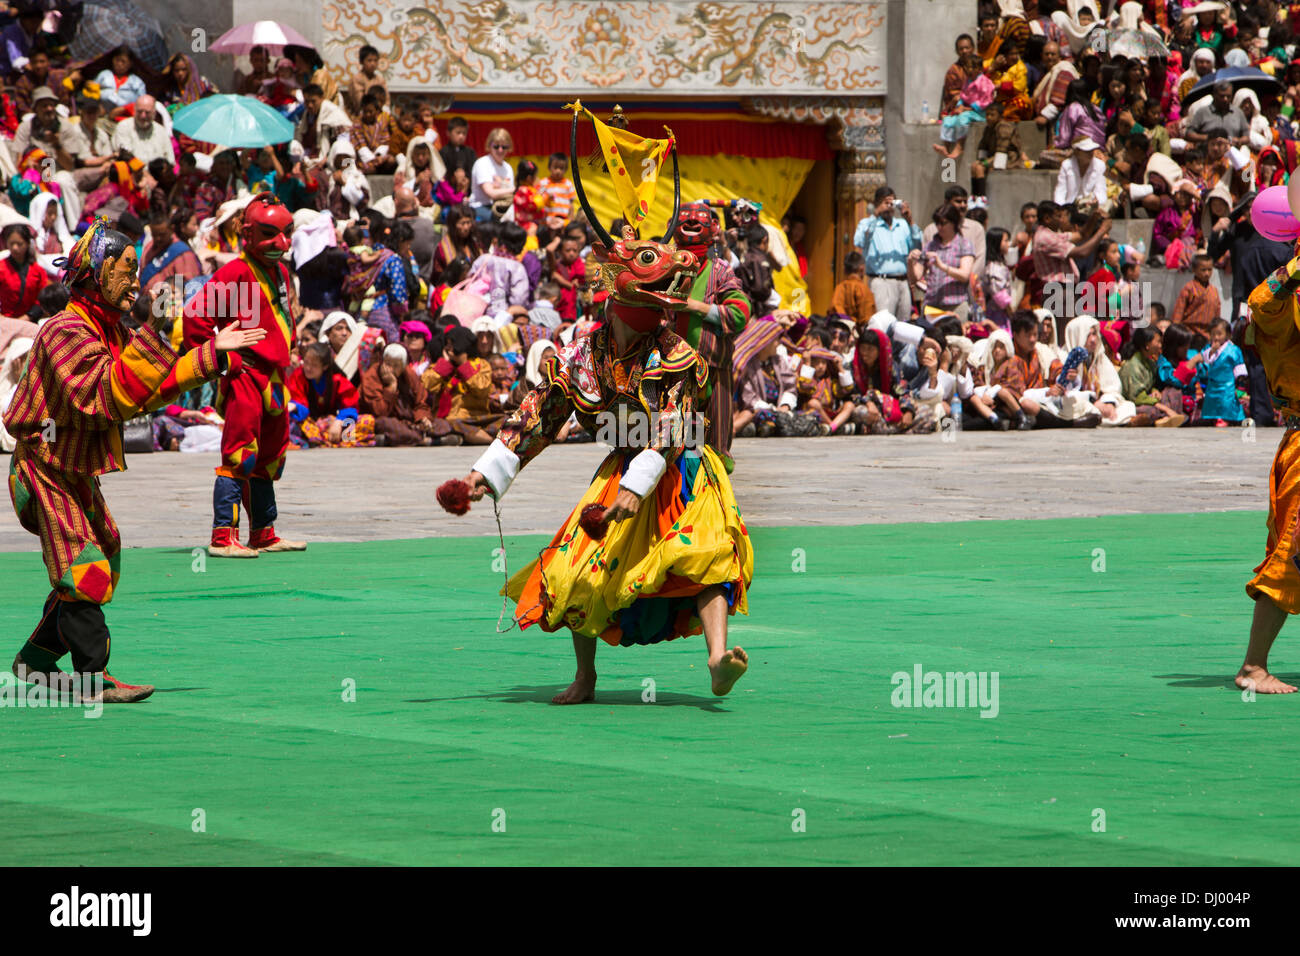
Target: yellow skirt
(639, 584)
(1277, 576)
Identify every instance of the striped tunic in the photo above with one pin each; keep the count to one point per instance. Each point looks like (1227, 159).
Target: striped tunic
(83, 380)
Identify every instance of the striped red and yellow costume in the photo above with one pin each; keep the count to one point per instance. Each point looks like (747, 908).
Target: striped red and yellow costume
(86, 375)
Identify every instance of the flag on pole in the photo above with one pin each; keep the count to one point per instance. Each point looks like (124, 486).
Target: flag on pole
(634, 163)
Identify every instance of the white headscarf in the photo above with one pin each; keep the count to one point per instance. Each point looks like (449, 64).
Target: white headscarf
(347, 357)
(1108, 383)
(37, 216)
(533, 366)
(312, 238)
(981, 355)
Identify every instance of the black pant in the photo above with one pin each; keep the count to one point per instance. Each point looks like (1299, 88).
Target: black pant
(69, 626)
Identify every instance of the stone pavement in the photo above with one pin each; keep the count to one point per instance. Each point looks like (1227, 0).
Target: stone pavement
(164, 499)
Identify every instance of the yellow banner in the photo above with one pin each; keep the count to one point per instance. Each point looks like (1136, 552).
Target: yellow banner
(634, 163)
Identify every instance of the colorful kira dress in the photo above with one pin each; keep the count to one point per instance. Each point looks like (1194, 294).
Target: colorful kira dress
(638, 584)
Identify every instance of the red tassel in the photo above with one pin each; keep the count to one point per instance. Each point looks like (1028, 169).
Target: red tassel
(592, 521)
(454, 496)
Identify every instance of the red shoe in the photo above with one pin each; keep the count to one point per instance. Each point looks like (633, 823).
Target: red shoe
(225, 544)
(265, 539)
(116, 692)
(1220, 424)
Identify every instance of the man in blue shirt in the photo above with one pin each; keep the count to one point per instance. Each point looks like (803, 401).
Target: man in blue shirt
(885, 238)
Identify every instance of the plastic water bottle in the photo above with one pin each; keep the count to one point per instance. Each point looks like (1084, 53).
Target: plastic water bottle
(1141, 247)
(925, 111)
(955, 405)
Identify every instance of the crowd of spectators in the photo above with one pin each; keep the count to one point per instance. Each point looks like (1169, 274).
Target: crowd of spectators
(1160, 122)
(437, 272)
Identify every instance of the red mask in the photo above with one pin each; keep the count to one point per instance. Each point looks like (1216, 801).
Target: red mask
(696, 229)
(266, 229)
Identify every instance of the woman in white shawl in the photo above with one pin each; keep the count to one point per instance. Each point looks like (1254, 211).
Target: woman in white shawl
(989, 400)
(1078, 24)
(347, 180)
(1098, 380)
(51, 242)
(1260, 134)
(343, 334)
(410, 173)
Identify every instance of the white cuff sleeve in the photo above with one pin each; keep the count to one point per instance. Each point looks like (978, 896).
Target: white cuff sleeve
(1238, 371)
(1140, 191)
(807, 371)
(499, 465)
(789, 400)
(908, 334)
(1050, 111)
(644, 472)
(846, 378)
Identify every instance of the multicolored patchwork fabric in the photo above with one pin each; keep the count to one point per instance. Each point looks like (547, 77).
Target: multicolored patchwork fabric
(255, 436)
(660, 378)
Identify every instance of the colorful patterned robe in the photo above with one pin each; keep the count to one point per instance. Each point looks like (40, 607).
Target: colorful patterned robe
(662, 374)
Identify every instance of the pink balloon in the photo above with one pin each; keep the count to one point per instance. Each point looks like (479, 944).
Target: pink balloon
(1271, 215)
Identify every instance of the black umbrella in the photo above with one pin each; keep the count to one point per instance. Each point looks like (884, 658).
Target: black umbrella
(1249, 77)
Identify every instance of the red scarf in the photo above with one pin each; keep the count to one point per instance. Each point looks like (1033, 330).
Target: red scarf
(105, 319)
(884, 365)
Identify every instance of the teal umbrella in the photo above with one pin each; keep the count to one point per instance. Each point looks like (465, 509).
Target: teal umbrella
(230, 120)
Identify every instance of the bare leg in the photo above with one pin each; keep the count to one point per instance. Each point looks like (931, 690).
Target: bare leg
(842, 415)
(981, 407)
(725, 666)
(741, 418)
(583, 688)
(1264, 629)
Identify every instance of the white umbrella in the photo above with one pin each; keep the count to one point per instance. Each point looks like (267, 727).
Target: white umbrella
(266, 33)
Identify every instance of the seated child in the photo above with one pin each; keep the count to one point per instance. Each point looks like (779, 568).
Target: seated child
(997, 383)
(1221, 372)
(323, 404)
(823, 388)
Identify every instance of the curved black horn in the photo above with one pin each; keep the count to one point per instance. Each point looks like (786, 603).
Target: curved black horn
(577, 185)
(677, 200)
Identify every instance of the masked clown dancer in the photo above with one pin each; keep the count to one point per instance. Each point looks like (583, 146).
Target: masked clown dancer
(1275, 588)
(86, 375)
(716, 311)
(671, 556)
(254, 290)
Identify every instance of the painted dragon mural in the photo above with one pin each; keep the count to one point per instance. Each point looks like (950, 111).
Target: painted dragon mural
(672, 46)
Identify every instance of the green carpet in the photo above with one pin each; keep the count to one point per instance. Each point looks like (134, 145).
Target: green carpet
(1114, 695)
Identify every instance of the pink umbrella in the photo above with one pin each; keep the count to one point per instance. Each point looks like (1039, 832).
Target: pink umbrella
(266, 33)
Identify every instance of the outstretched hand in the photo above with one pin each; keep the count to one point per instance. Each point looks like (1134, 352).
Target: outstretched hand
(478, 486)
(625, 505)
(233, 338)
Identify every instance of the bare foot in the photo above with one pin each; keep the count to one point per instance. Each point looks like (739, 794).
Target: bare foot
(727, 670)
(940, 149)
(1261, 681)
(581, 691)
